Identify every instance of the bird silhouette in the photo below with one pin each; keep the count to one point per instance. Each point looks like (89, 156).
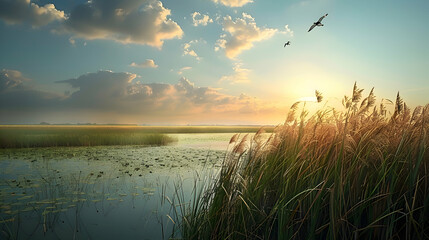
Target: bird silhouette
(287, 44)
(318, 23)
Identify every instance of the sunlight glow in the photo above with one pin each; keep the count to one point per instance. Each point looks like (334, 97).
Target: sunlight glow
(307, 99)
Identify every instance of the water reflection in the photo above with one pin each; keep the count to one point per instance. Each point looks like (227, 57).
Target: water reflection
(112, 192)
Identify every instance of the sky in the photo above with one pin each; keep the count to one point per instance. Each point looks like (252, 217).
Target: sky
(169, 62)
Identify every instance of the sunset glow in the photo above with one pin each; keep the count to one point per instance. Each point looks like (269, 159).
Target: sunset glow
(211, 62)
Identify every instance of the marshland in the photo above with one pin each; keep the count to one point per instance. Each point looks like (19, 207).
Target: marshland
(99, 181)
(216, 119)
(28, 136)
(360, 172)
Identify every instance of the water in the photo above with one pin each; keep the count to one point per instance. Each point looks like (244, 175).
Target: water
(106, 192)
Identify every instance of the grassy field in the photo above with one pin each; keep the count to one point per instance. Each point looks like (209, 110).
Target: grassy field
(23, 136)
(56, 136)
(355, 174)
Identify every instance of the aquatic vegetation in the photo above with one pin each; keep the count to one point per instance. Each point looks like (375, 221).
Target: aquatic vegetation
(57, 136)
(27, 136)
(53, 192)
(353, 174)
(50, 206)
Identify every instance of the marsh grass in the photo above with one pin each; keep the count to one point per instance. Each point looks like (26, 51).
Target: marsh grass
(352, 174)
(34, 136)
(27, 136)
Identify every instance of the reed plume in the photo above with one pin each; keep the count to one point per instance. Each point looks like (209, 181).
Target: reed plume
(337, 174)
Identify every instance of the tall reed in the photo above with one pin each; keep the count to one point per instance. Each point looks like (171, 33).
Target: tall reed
(352, 174)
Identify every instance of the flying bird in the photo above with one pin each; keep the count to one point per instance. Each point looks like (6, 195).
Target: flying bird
(318, 23)
(287, 44)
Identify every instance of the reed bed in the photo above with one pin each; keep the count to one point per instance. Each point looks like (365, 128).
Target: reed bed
(26, 136)
(352, 174)
(34, 136)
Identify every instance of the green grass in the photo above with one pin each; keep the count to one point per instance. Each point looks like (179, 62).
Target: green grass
(355, 174)
(34, 136)
(26, 136)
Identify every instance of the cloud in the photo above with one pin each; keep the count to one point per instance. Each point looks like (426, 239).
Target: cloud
(23, 11)
(108, 97)
(243, 32)
(180, 72)
(149, 63)
(118, 92)
(72, 41)
(233, 3)
(240, 75)
(188, 51)
(131, 21)
(200, 19)
(17, 99)
(102, 89)
(11, 79)
(287, 30)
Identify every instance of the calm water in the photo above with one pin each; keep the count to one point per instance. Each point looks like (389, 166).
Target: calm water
(114, 192)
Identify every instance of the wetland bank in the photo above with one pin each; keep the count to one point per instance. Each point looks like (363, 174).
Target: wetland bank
(90, 182)
(356, 173)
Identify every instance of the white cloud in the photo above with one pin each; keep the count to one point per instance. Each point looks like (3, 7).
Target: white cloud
(240, 75)
(24, 11)
(242, 33)
(200, 19)
(180, 72)
(233, 3)
(188, 51)
(131, 21)
(149, 63)
(287, 31)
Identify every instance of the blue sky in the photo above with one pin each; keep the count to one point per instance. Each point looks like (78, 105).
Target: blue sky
(203, 62)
